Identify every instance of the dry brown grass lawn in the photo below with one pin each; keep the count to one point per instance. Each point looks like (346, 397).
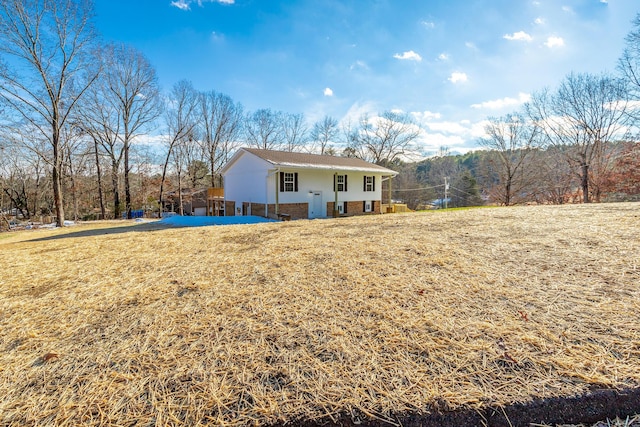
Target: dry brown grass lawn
(369, 316)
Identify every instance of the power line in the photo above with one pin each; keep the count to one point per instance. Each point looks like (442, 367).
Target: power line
(418, 189)
(462, 191)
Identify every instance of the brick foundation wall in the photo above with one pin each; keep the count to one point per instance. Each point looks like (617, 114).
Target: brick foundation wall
(257, 209)
(295, 210)
(229, 208)
(356, 208)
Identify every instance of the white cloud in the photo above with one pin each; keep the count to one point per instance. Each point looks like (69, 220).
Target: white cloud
(357, 110)
(433, 142)
(499, 104)
(359, 65)
(443, 133)
(539, 21)
(459, 137)
(458, 77)
(429, 24)
(567, 9)
(478, 129)
(425, 116)
(409, 55)
(186, 4)
(633, 105)
(554, 41)
(604, 1)
(328, 91)
(151, 140)
(519, 36)
(443, 57)
(181, 4)
(455, 128)
(471, 45)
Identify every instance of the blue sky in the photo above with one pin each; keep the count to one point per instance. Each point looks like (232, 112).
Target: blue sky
(449, 63)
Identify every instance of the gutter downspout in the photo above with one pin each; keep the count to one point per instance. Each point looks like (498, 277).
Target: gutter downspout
(266, 206)
(390, 208)
(336, 211)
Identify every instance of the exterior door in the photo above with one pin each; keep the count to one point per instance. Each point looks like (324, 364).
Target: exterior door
(316, 205)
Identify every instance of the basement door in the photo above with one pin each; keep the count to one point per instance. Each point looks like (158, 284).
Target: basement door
(316, 205)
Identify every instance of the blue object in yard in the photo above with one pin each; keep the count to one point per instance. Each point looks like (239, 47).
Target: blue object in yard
(200, 221)
(134, 214)
(440, 203)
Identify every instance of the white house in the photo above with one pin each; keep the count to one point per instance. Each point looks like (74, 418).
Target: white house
(275, 183)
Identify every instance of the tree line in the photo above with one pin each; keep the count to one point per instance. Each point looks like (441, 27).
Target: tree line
(81, 119)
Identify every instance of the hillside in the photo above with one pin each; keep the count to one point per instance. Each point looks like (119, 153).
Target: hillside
(340, 320)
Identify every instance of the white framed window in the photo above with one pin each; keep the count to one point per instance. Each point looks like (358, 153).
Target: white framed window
(368, 206)
(340, 183)
(288, 181)
(369, 183)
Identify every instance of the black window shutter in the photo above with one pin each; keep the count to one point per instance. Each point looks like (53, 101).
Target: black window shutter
(364, 206)
(345, 183)
(334, 182)
(374, 183)
(295, 181)
(365, 184)
(281, 181)
(344, 204)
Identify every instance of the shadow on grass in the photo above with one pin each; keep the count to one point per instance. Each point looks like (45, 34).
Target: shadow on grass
(120, 229)
(171, 222)
(592, 407)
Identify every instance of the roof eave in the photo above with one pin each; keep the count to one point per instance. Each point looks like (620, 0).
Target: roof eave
(378, 171)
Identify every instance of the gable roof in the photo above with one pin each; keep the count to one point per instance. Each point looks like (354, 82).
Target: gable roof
(288, 159)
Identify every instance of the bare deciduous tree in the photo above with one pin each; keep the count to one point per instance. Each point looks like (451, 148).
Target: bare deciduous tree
(511, 138)
(554, 181)
(46, 43)
(131, 86)
(586, 113)
(122, 104)
(100, 120)
(263, 129)
(323, 133)
(220, 128)
(22, 176)
(14, 176)
(384, 139)
(180, 118)
(74, 158)
(96, 153)
(629, 62)
(294, 130)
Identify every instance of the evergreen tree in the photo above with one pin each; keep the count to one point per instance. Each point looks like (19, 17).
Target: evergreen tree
(464, 191)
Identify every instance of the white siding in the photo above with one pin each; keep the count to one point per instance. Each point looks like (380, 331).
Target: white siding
(251, 179)
(310, 180)
(245, 181)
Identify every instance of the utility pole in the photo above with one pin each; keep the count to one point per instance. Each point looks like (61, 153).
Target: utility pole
(446, 190)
